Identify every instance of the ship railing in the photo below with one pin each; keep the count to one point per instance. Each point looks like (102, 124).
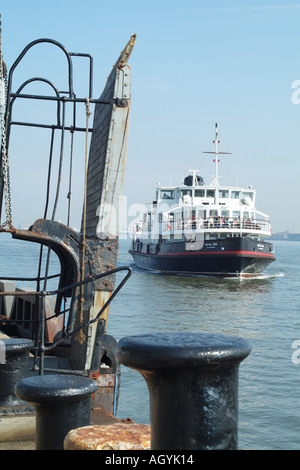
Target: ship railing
(41, 347)
(218, 224)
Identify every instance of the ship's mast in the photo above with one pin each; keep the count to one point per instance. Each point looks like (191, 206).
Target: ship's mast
(217, 153)
(217, 157)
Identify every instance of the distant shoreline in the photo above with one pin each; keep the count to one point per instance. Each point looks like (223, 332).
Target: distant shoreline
(286, 236)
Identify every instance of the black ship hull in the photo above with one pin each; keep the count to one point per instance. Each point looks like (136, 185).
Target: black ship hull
(235, 256)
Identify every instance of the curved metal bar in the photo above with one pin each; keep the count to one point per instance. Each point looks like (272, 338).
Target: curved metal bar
(35, 79)
(29, 46)
(79, 54)
(98, 316)
(43, 294)
(16, 63)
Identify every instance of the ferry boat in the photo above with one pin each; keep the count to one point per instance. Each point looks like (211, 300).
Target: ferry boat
(204, 229)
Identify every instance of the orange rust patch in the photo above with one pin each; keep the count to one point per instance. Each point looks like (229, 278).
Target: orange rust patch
(109, 437)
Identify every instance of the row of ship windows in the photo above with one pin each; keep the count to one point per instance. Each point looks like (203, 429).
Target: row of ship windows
(170, 193)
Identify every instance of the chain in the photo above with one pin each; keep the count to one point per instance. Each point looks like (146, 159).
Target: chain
(5, 159)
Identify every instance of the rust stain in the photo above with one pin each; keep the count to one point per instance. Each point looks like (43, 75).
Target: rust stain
(106, 380)
(101, 297)
(109, 437)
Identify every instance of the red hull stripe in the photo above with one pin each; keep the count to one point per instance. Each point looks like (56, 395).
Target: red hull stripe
(247, 253)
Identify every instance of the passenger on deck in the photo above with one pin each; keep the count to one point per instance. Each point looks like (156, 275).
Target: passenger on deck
(137, 235)
(200, 222)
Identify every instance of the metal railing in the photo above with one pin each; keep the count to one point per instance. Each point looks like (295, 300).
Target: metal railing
(218, 223)
(41, 347)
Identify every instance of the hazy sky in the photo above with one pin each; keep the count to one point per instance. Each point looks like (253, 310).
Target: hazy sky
(195, 63)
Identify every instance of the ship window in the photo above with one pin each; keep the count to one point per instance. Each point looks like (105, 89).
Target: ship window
(236, 214)
(213, 213)
(223, 193)
(248, 194)
(166, 194)
(210, 193)
(225, 213)
(199, 192)
(186, 192)
(235, 194)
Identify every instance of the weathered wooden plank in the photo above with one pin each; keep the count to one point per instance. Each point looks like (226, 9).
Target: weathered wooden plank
(108, 151)
(105, 181)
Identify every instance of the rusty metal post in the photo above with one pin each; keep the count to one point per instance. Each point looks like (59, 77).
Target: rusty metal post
(61, 402)
(193, 387)
(15, 368)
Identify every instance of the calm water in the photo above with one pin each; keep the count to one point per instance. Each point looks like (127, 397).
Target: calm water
(264, 311)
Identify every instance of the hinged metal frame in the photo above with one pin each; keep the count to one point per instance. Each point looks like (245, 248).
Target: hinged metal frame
(66, 243)
(60, 97)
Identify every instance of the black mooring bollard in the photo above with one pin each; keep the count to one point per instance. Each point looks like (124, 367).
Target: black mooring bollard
(193, 386)
(61, 402)
(14, 368)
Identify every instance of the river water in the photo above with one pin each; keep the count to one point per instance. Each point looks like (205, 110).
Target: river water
(264, 311)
